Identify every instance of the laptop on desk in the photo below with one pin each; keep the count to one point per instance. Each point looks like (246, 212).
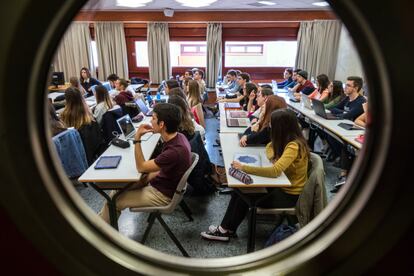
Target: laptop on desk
(319, 109)
(128, 129)
(292, 97)
(144, 108)
(306, 101)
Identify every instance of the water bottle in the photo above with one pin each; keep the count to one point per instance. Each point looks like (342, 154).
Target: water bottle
(149, 99)
(158, 96)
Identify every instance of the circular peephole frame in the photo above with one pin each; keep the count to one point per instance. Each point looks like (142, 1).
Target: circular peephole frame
(78, 242)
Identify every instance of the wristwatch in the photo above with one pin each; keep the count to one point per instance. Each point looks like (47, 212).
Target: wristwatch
(136, 141)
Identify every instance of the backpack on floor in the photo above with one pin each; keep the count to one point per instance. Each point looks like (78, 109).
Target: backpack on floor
(280, 233)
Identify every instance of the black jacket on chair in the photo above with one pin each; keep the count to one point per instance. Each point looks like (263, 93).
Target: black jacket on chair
(109, 125)
(93, 141)
(199, 178)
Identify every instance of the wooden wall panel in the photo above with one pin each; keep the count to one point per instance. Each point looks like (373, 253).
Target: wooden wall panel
(218, 16)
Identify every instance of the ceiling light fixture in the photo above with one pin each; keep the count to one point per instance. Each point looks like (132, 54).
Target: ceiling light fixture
(266, 3)
(320, 4)
(132, 3)
(195, 4)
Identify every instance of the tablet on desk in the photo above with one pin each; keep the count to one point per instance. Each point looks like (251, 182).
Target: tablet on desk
(108, 162)
(350, 126)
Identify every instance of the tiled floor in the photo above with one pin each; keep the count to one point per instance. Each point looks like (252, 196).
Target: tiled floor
(206, 210)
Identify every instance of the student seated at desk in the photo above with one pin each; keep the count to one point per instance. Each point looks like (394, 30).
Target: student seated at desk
(103, 103)
(291, 85)
(195, 102)
(289, 153)
(335, 94)
(261, 98)
(303, 85)
(55, 123)
(260, 132)
(124, 95)
(87, 81)
(287, 75)
(186, 126)
(321, 92)
(347, 159)
(238, 96)
(162, 174)
(232, 85)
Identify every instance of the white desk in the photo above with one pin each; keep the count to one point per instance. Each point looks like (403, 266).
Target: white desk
(230, 146)
(54, 95)
(223, 123)
(123, 176)
(331, 126)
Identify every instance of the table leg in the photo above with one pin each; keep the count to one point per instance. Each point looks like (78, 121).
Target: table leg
(252, 229)
(113, 216)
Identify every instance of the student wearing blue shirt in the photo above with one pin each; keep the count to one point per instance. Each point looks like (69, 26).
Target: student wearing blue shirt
(294, 79)
(287, 75)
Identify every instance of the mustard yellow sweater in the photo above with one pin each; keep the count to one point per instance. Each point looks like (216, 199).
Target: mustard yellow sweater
(294, 166)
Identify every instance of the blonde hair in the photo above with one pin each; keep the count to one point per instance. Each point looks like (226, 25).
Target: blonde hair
(76, 112)
(193, 93)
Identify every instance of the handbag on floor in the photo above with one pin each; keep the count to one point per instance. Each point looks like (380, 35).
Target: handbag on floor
(218, 174)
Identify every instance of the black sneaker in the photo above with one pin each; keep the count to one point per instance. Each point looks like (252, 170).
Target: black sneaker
(215, 234)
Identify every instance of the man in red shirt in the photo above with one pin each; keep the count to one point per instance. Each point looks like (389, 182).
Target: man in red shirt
(303, 85)
(162, 174)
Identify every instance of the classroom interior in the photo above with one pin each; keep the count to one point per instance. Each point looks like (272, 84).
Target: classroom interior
(254, 37)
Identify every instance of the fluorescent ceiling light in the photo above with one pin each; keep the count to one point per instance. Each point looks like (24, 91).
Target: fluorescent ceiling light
(321, 4)
(266, 3)
(195, 4)
(132, 3)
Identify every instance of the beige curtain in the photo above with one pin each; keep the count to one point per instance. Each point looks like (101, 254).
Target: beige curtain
(158, 52)
(74, 51)
(214, 52)
(318, 43)
(111, 48)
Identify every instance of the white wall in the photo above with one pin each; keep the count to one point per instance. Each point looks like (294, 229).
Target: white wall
(349, 63)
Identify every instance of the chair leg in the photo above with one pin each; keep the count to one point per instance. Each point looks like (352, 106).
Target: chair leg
(172, 236)
(151, 219)
(186, 210)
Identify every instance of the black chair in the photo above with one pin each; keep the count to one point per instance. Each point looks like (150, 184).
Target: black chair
(130, 108)
(109, 126)
(92, 140)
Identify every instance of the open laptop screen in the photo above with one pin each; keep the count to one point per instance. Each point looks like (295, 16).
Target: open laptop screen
(142, 106)
(126, 126)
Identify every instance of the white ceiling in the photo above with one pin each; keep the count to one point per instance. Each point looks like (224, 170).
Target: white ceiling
(226, 5)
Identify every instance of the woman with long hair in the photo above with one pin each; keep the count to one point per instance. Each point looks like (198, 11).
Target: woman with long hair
(261, 134)
(289, 154)
(76, 112)
(55, 123)
(103, 103)
(336, 94)
(87, 81)
(322, 92)
(195, 102)
(186, 126)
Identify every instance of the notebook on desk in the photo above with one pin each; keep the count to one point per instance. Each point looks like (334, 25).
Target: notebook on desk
(237, 114)
(232, 106)
(236, 122)
(319, 109)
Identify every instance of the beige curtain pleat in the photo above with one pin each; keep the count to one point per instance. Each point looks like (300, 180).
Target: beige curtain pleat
(214, 53)
(111, 48)
(74, 51)
(158, 52)
(318, 43)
